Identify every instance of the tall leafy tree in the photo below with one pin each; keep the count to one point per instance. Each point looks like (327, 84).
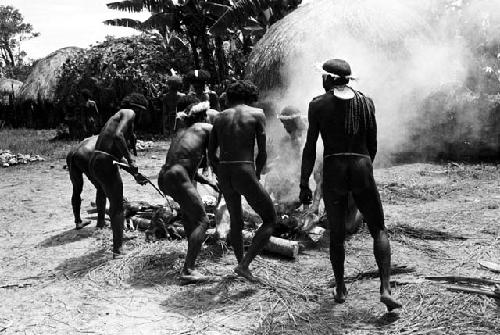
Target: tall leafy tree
(13, 30)
(205, 25)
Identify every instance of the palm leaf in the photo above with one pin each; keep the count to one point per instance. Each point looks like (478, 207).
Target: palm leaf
(238, 14)
(136, 24)
(127, 5)
(162, 20)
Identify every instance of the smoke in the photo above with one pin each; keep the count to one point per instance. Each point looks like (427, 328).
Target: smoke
(401, 52)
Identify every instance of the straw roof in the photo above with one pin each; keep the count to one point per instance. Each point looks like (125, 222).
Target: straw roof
(9, 86)
(42, 81)
(316, 27)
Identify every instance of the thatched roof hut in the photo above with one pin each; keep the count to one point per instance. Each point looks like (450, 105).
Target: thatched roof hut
(323, 29)
(9, 86)
(42, 81)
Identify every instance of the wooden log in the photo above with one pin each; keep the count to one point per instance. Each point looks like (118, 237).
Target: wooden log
(141, 224)
(277, 245)
(468, 280)
(460, 289)
(494, 267)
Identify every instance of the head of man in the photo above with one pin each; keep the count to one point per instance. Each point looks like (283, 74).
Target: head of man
(174, 83)
(292, 121)
(198, 79)
(242, 92)
(338, 73)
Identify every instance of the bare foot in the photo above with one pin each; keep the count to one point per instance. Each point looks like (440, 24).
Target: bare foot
(340, 295)
(118, 254)
(101, 224)
(389, 302)
(80, 225)
(193, 276)
(245, 273)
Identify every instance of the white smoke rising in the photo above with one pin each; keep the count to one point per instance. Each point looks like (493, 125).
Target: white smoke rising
(401, 51)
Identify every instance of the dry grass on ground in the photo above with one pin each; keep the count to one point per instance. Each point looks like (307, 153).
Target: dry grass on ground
(442, 220)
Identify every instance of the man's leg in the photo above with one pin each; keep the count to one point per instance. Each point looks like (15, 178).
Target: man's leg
(369, 204)
(336, 206)
(196, 225)
(100, 201)
(109, 179)
(233, 202)
(258, 198)
(76, 177)
(176, 183)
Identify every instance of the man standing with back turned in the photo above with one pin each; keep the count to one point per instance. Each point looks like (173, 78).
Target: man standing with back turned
(235, 131)
(345, 118)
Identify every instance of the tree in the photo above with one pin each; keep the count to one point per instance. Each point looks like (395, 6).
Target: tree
(13, 30)
(192, 22)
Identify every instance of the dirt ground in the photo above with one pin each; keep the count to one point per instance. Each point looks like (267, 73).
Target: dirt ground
(442, 219)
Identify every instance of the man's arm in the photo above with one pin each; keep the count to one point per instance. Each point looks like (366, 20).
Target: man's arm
(371, 136)
(126, 124)
(213, 144)
(309, 156)
(260, 134)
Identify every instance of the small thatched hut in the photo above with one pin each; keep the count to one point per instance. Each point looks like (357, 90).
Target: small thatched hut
(36, 98)
(9, 89)
(9, 86)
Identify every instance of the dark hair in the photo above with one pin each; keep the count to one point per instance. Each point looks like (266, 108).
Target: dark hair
(185, 101)
(242, 91)
(134, 100)
(330, 81)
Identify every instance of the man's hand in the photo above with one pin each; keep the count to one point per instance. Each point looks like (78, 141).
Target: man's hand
(140, 178)
(305, 195)
(134, 170)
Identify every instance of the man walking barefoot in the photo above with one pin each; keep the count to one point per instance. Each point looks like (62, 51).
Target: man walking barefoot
(235, 132)
(345, 118)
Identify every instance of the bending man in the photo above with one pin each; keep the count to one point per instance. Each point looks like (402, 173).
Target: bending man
(235, 131)
(112, 146)
(345, 118)
(77, 161)
(177, 179)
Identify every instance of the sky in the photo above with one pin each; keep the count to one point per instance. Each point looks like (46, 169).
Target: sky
(64, 23)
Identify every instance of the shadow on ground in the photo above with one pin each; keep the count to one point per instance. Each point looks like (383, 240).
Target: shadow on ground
(82, 265)
(69, 236)
(194, 299)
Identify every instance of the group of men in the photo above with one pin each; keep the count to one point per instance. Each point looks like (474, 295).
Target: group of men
(344, 117)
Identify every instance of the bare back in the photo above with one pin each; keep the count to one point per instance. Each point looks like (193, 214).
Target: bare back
(237, 129)
(189, 147)
(115, 132)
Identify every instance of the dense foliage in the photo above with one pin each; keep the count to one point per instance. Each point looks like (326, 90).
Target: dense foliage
(219, 34)
(124, 65)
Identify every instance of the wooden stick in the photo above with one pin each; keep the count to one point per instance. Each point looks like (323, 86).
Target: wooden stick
(277, 245)
(473, 291)
(395, 269)
(490, 266)
(470, 280)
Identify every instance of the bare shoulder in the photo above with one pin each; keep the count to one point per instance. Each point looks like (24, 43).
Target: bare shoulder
(204, 126)
(126, 113)
(258, 113)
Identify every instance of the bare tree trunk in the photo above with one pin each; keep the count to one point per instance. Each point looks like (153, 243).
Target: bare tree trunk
(194, 50)
(221, 58)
